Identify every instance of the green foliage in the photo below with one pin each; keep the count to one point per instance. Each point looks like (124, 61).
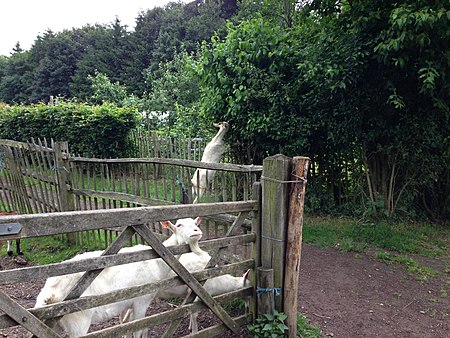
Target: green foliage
(269, 326)
(95, 131)
(172, 84)
(273, 326)
(106, 91)
(362, 88)
(249, 79)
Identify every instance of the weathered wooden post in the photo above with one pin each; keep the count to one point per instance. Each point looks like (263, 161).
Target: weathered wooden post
(265, 293)
(65, 196)
(294, 241)
(256, 248)
(275, 188)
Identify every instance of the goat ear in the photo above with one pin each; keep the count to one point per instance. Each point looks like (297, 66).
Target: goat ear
(246, 275)
(168, 224)
(198, 220)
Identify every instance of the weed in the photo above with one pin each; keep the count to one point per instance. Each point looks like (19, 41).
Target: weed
(422, 272)
(349, 245)
(273, 326)
(269, 326)
(443, 293)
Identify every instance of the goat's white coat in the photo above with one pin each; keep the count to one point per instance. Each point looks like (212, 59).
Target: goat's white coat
(213, 153)
(115, 278)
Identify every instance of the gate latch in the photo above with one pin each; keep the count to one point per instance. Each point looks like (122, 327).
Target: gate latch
(10, 229)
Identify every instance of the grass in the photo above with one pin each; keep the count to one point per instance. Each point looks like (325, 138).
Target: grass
(350, 235)
(423, 273)
(47, 250)
(305, 329)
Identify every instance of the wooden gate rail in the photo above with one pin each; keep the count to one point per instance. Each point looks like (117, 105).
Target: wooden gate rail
(184, 163)
(180, 312)
(73, 221)
(57, 269)
(86, 302)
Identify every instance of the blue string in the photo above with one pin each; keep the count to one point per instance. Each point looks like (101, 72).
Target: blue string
(56, 167)
(273, 239)
(276, 291)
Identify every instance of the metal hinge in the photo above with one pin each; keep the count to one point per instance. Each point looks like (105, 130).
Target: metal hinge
(10, 229)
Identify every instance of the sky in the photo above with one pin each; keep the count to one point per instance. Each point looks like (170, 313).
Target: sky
(24, 20)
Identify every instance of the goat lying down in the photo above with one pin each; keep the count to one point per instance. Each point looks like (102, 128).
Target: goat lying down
(115, 278)
(214, 286)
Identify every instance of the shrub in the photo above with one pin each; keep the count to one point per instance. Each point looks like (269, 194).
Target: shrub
(94, 131)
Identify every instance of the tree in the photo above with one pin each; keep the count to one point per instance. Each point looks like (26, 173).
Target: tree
(250, 79)
(55, 63)
(16, 79)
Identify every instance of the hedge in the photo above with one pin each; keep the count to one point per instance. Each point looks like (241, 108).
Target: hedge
(92, 131)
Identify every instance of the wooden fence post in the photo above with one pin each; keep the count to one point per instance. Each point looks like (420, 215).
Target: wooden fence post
(276, 173)
(265, 296)
(65, 196)
(294, 241)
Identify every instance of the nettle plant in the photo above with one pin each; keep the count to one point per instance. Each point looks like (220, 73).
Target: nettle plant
(269, 326)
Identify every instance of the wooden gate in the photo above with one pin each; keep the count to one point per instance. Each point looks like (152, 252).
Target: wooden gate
(130, 221)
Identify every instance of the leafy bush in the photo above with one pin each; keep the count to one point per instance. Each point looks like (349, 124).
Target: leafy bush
(94, 131)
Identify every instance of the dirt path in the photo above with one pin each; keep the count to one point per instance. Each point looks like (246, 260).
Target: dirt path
(355, 295)
(346, 294)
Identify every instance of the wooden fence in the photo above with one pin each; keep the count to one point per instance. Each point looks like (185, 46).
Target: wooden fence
(42, 176)
(269, 221)
(151, 144)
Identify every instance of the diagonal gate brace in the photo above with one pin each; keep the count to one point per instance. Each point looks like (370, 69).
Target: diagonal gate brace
(215, 257)
(186, 276)
(25, 318)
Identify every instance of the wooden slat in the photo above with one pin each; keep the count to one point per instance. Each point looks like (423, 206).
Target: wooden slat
(49, 270)
(167, 316)
(185, 163)
(25, 318)
(73, 221)
(217, 329)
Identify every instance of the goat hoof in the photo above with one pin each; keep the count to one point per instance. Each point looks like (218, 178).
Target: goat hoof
(10, 253)
(20, 253)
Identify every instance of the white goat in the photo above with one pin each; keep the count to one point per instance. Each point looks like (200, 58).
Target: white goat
(212, 154)
(115, 278)
(214, 286)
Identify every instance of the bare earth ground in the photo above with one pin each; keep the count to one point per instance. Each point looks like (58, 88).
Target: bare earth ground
(346, 294)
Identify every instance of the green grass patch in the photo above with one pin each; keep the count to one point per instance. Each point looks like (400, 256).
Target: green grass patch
(305, 329)
(47, 250)
(350, 235)
(423, 273)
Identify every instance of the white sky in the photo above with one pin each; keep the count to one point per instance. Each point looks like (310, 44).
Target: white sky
(24, 20)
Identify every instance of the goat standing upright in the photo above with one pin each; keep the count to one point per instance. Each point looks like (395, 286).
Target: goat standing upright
(213, 153)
